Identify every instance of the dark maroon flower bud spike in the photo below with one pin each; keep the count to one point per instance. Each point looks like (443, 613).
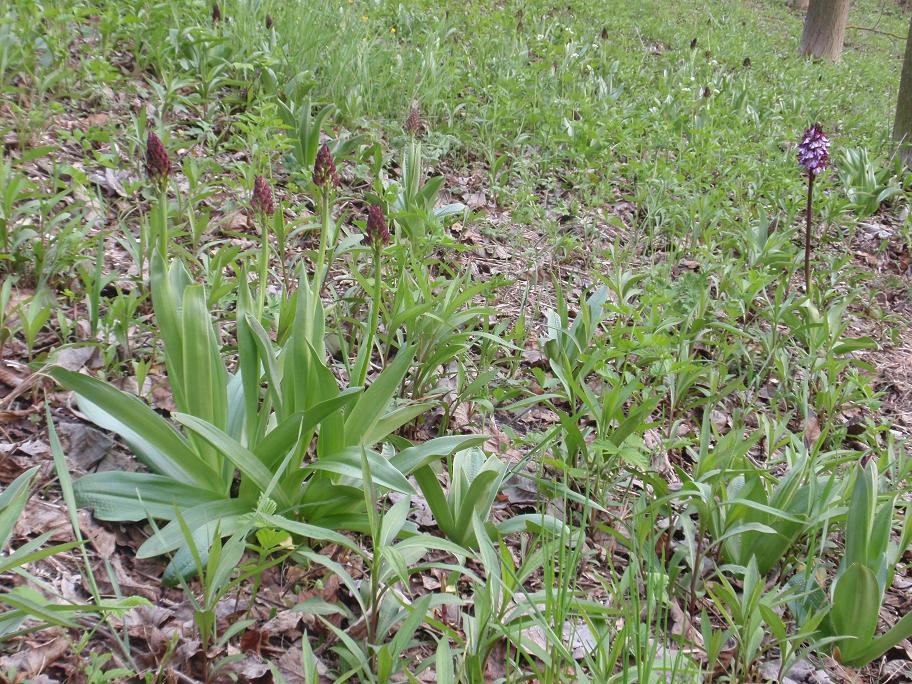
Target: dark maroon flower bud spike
(413, 121)
(324, 174)
(262, 196)
(268, 22)
(814, 157)
(216, 13)
(158, 163)
(377, 229)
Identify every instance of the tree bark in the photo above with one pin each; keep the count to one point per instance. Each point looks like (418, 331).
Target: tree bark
(902, 124)
(824, 29)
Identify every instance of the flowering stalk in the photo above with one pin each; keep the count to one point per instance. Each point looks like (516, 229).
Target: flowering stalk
(325, 178)
(813, 155)
(378, 236)
(263, 205)
(412, 157)
(807, 234)
(158, 168)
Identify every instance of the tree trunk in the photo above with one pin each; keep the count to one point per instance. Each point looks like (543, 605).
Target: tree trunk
(824, 29)
(902, 125)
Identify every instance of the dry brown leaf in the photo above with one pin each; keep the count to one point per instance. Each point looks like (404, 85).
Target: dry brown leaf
(40, 517)
(38, 655)
(811, 430)
(7, 417)
(102, 540)
(84, 445)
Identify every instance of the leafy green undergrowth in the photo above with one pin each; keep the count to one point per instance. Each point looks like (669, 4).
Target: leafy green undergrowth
(528, 387)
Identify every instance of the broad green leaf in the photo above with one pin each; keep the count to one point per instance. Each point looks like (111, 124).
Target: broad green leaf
(414, 457)
(268, 359)
(900, 631)
(248, 361)
(204, 378)
(373, 404)
(153, 439)
(243, 459)
(437, 501)
(534, 522)
(168, 283)
(12, 503)
(126, 496)
(395, 419)
(861, 515)
(473, 502)
(855, 606)
(274, 447)
(769, 510)
(741, 529)
(305, 530)
(226, 515)
(427, 542)
(348, 463)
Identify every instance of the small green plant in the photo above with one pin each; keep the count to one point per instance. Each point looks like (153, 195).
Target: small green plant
(33, 315)
(13, 207)
(6, 292)
(382, 597)
(260, 421)
(867, 185)
(865, 572)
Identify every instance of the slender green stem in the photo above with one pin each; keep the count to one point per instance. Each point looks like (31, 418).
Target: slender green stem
(807, 236)
(281, 251)
(364, 353)
(263, 267)
(319, 275)
(163, 221)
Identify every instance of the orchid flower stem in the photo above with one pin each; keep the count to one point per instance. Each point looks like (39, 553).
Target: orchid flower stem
(163, 221)
(319, 274)
(807, 235)
(281, 253)
(364, 353)
(263, 267)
